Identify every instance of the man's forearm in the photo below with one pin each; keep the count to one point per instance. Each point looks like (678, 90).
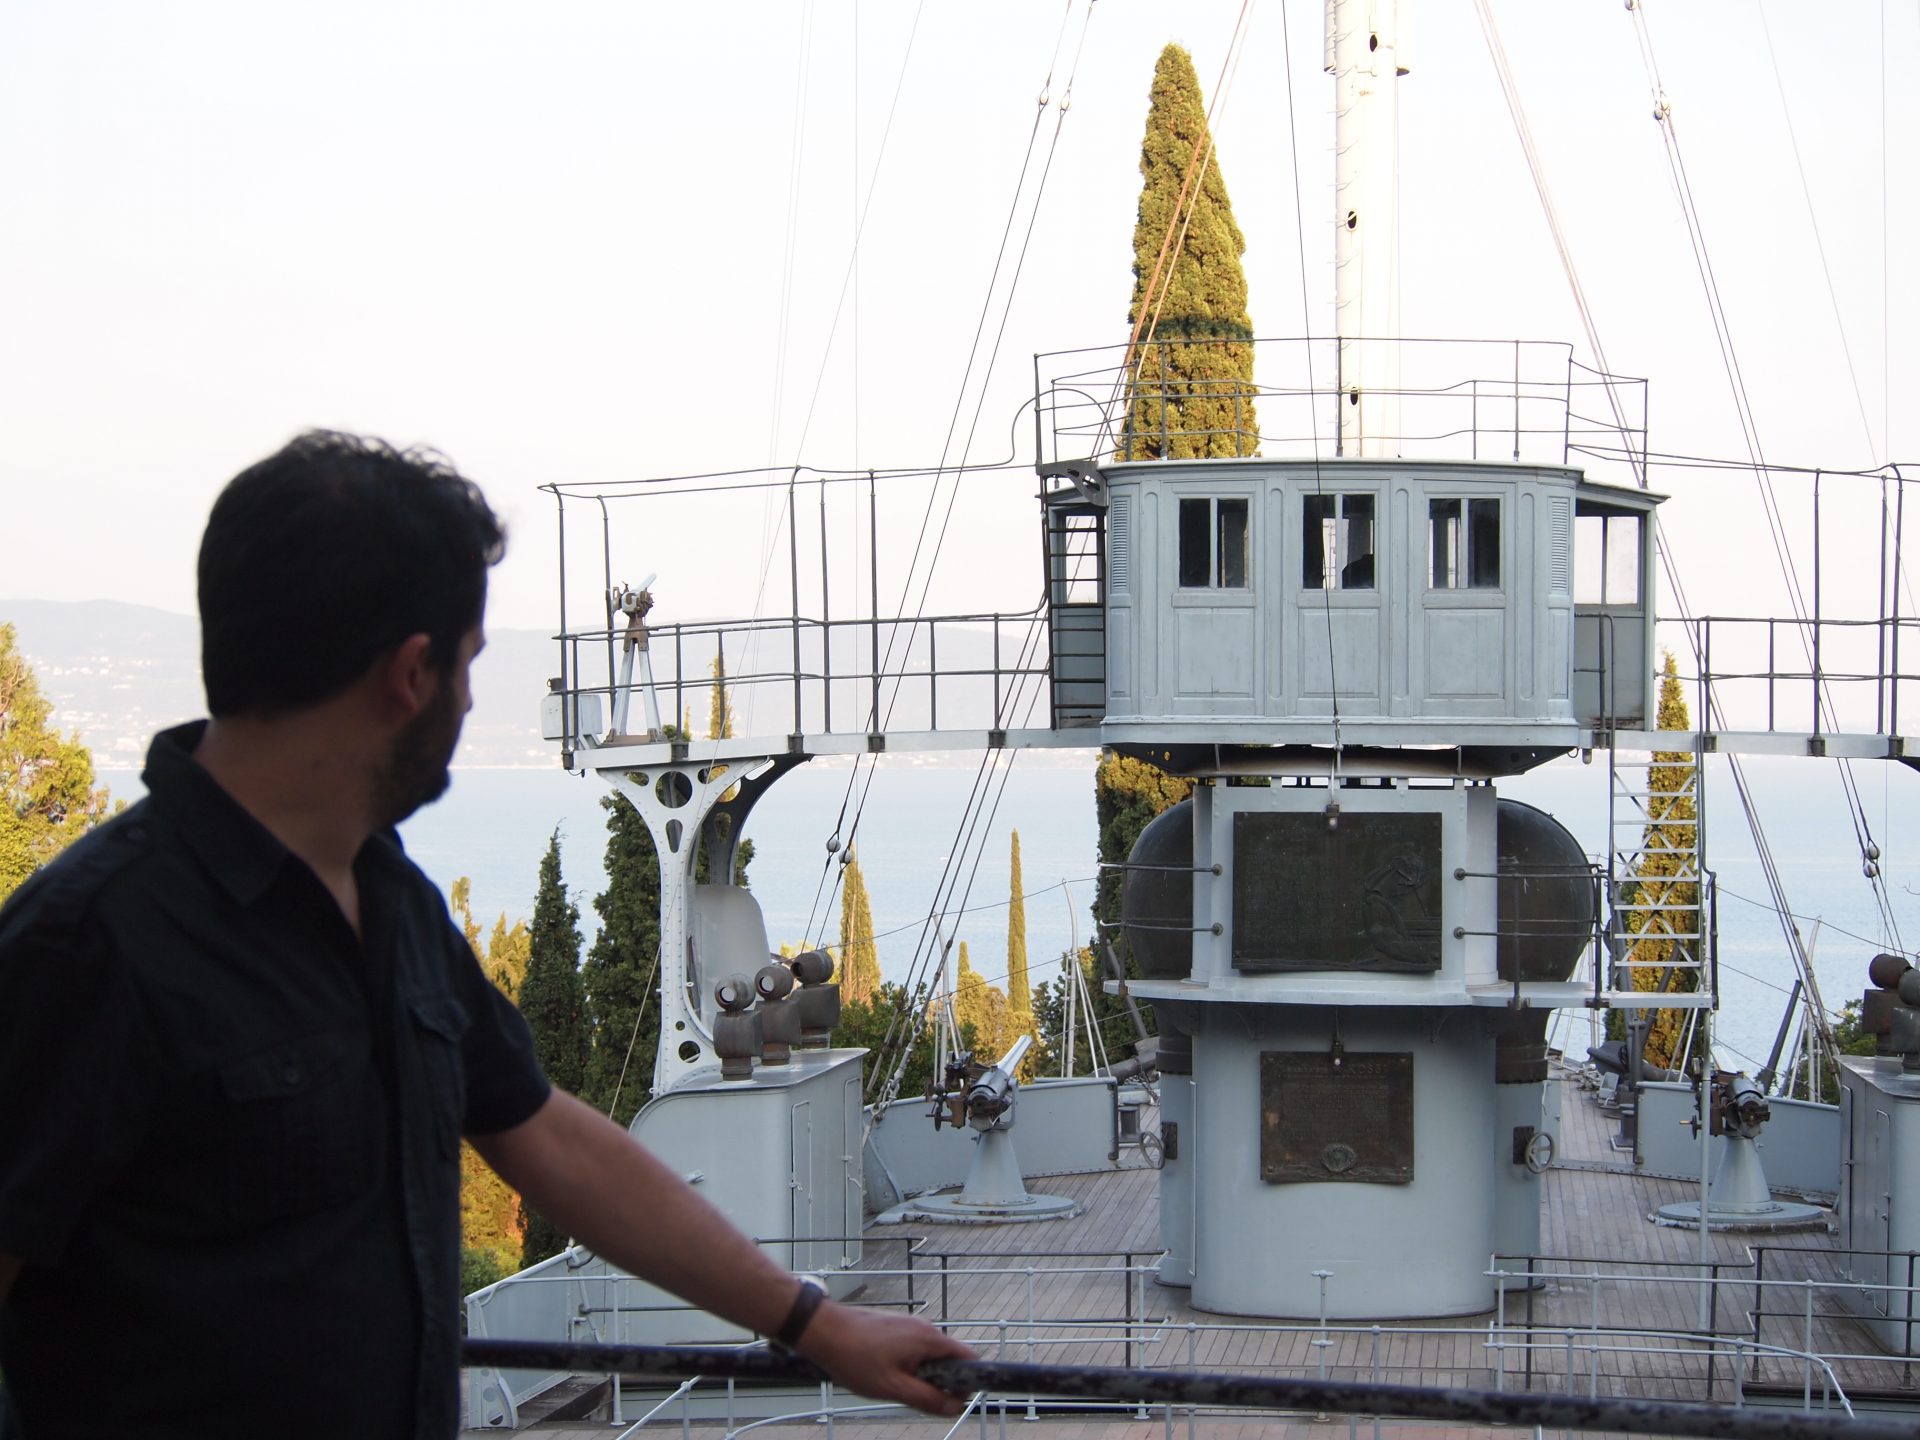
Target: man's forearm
(588, 1176)
(593, 1181)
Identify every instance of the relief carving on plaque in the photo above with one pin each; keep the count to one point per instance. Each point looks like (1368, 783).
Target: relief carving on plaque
(1364, 894)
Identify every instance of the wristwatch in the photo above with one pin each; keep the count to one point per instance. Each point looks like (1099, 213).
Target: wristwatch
(813, 1292)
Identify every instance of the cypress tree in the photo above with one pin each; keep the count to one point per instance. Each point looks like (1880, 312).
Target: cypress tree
(980, 1010)
(1191, 367)
(1019, 988)
(859, 956)
(1020, 1019)
(1667, 876)
(720, 708)
(491, 1220)
(555, 1010)
(621, 970)
(47, 794)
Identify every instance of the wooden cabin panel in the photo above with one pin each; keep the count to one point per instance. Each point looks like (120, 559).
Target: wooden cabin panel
(1120, 642)
(1214, 652)
(1466, 654)
(1524, 553)
(1339, 654)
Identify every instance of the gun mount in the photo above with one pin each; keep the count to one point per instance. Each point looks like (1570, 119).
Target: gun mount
(1738, 1199)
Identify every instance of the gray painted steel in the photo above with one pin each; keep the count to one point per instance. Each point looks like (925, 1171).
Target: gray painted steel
(1881, 1206)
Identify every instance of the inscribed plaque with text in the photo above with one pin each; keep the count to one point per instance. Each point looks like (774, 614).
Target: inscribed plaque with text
(1336, 1117)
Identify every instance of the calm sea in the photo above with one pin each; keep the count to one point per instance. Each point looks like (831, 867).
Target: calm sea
(493, 827)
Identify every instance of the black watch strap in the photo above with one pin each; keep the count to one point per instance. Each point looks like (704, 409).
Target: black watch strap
(812, 1294)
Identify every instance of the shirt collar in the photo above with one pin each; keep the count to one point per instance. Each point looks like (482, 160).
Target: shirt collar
(239, 852)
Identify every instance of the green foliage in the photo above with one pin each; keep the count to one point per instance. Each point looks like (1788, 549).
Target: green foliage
(1191, 386)
(1666, 877)
(891, 1014)
(490, 1212)
(1110, 1018)
(621, 970)
(981, 1010)
(1019, 986)
(859, 955)
(720, 708)
(1127, 795)
(479, 1268)
(504, 957)
(47, 796)
(555, 1010)
(1849, 1038)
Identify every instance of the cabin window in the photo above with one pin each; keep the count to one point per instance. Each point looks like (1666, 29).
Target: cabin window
(1606, 559)
(1213, 544)
(1463, 544)
(1337, 542)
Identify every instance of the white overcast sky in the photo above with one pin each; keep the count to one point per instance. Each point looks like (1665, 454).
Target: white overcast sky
(592, 241)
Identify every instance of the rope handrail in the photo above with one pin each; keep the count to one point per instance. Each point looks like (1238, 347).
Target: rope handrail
(1212, 1389)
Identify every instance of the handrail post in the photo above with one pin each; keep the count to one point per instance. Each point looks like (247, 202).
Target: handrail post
(1899, 522)
(996, 672)
(793, 577)
(1816, 605)
(826, 623)
(873, 594)
(1339, 392)
(1516, 400)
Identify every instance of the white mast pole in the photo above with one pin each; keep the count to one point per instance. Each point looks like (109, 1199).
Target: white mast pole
(1362, 54)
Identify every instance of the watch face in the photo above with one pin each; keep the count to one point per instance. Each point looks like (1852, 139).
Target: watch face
(1539, 1151)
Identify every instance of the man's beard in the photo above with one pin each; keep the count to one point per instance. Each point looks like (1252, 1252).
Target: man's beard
(415, 770)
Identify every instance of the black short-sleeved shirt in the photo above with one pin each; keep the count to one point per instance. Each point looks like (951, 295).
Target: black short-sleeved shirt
(229, 1130)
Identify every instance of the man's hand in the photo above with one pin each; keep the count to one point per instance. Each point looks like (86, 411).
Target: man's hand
(876, 1353)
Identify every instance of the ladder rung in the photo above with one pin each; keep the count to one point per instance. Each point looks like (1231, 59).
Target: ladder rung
(1649, 1000)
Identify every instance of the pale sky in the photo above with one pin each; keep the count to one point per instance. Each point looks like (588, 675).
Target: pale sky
(554, 241)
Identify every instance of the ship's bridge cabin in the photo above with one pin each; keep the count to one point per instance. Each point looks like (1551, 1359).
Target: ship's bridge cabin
(1248, 599)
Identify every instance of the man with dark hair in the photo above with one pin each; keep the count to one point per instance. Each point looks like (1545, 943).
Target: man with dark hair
(240, 1038)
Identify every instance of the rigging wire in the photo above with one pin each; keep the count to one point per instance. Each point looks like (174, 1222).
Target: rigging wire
(1813, 217)
(1491, 32)
(1677, 171)
(1044, 100)
(1306, 325)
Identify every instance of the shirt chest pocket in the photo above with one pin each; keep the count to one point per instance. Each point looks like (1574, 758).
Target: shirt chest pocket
(303, 1126)
(437, 1026)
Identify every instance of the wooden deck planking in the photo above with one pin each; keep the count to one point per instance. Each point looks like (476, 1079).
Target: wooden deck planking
(1595, 1210)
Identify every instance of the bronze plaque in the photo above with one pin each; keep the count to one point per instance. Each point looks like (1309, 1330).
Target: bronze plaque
(1360, 895)
(1336, 1118)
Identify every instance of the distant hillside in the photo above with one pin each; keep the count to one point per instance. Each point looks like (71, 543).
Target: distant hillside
(117, 672)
